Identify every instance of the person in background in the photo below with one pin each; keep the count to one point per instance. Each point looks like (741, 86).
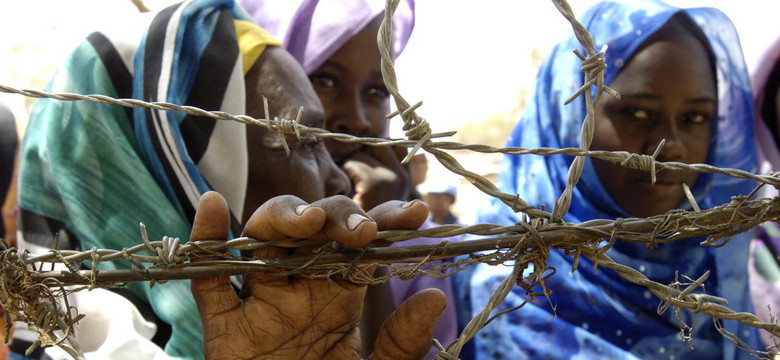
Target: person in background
(336, 43)
(764, 268)
(418, 169)
(682, 77)
(9, 147)
(440, 196)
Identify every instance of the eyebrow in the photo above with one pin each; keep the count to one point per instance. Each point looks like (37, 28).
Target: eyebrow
(650, 96)
(335, 64)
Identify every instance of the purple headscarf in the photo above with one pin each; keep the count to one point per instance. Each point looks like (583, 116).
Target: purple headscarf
(313, 30)
(764, 269)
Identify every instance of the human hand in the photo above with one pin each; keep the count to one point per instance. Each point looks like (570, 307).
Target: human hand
(297, 318)
(377, 175)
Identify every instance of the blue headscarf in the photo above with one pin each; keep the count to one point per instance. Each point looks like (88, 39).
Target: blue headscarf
(601, 315)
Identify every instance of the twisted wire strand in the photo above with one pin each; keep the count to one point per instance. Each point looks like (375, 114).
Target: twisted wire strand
(593, 66)
(523, 243)
(434, 147)
(584, 237)
(717, 223)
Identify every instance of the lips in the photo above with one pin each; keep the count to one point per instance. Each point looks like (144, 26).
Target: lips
(664, 186)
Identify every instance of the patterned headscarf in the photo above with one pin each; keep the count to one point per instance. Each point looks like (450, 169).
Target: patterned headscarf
(313, 30)
(600, 315)
(101, 169)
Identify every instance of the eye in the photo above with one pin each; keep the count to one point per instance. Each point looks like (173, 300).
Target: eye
(308, 143)
(697, 118)
(637, 113)
(323, 80)
(379, 91)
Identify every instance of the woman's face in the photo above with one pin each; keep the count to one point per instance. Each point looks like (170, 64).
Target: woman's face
(309, 171)
(352, 91)
(667, 92)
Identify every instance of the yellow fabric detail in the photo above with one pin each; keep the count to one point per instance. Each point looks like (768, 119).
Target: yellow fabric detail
(252, 40)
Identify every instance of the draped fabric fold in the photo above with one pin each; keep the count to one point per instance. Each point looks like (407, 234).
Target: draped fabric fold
(763, 264)
(599, 314)
(102, 169)
(313, 30)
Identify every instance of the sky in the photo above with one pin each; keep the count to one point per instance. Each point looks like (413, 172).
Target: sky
(466, 60)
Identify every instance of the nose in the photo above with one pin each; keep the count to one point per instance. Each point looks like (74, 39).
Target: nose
(336, 181)
(674, 148)
(351, 119)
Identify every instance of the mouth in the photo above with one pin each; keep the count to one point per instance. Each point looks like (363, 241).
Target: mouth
(662, 186)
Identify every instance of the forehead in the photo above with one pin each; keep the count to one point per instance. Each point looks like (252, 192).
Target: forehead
(673, 57)
(364, 41)
(279, 78)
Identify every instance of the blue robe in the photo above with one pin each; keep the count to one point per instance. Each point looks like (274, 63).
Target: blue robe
(601, 315)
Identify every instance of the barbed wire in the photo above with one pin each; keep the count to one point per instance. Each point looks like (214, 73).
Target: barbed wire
(27, 288)
(292, 127)
(519, 243)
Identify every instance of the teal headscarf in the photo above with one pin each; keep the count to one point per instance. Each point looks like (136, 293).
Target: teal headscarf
(101, 169)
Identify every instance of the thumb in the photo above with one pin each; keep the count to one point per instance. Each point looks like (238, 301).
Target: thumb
(408, 332)
(212, 222)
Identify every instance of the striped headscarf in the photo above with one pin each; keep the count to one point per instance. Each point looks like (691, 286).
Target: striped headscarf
(101, 169)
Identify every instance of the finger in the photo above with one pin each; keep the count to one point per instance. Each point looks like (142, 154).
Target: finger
(359, 167)
(407, 333)
(347, 223)
(372, 158)
(401, 153)
(212, 222)
(387, 155)
(399, 215)
(391, 156)
(283, 217)
(377, 176)
(278, 219)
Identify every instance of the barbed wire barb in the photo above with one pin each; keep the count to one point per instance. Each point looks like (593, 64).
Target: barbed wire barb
(39, 297)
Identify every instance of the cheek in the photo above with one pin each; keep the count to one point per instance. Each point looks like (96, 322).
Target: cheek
(608, 137)
(381, 126)
(375, 113)
(700, 147)
(304, 177)
(294, 175)
(605, 135)
(325, 94)
(612, 135)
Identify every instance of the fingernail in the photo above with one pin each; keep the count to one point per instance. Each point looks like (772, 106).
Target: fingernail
(407, 205)
(354, 220)
(301, 208)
